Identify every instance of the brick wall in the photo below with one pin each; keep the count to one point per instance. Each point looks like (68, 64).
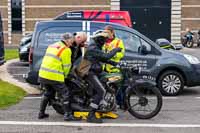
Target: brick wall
(36, 10)
(68, 2)
(190, 15)
(16, 37)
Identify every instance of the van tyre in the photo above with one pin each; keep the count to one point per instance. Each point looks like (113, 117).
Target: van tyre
(170, 83)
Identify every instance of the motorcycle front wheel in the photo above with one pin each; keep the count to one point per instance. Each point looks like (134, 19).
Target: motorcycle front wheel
(189, 44)
(144, 103)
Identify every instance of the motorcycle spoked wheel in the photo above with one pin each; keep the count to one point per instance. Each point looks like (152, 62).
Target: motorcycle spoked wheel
(189, 44)
(140, 106)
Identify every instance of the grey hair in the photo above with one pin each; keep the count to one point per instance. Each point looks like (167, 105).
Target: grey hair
(67, 36)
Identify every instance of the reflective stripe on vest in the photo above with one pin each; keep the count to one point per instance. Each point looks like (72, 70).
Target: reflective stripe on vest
(67, 65)
(60, 52)
(49, 70)
(53, 56)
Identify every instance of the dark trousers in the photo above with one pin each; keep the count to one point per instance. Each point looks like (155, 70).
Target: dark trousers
(99, 90)
(51, 87)
(120, 97)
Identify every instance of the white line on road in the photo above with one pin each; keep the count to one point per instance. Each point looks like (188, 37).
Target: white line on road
(170, 97)
(34, 123)
(32, 97)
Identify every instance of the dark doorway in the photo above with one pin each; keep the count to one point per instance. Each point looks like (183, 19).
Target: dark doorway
(150, 17)
(16, 15)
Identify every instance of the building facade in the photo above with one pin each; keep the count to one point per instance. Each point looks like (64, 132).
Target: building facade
(20, 16)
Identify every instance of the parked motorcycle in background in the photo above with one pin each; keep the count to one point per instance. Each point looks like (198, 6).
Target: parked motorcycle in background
(188, 39)
(198, 38)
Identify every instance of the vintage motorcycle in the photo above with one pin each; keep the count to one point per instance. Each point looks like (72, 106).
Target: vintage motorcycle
(198, 38)
(188, 40)
(143, 99)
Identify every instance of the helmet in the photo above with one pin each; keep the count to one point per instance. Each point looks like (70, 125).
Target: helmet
(100, 37)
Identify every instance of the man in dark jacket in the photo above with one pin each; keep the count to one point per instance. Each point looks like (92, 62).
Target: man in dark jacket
(96, 56)
(79, 41)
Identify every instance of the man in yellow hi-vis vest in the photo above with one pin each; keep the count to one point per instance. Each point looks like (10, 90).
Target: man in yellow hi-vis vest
(112, 43)
(54, 70)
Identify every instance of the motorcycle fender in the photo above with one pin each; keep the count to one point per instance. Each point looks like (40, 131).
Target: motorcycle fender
(141, 83)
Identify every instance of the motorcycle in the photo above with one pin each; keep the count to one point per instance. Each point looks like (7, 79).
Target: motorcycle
(198, 39)
(141, 92)
(187, 40)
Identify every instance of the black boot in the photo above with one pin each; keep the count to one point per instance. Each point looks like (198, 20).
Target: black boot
(92, 118)
(68, 116)
(43, 105)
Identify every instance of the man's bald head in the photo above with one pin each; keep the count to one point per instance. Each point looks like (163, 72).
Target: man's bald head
(80, 38)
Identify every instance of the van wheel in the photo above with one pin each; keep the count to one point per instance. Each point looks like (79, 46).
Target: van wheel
(170, 83)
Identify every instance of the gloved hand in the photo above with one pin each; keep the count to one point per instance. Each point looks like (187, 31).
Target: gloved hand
(121, 64)
(112, 62)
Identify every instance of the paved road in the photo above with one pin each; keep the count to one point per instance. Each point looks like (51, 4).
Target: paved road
(178, 115)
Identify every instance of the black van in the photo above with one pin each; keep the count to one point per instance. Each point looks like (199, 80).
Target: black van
(173, 70)
(1, 42)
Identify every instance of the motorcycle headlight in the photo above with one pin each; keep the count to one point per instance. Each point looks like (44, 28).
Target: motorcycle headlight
(192, 59)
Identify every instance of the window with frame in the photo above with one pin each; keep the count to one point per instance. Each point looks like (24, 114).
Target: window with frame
(148, 46)
(131, 41)
(54, 34)
(16, 10)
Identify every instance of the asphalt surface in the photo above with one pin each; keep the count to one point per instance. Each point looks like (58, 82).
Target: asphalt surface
(179, 114)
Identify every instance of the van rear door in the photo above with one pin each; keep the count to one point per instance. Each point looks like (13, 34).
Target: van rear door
(1, 42)
(46, 33)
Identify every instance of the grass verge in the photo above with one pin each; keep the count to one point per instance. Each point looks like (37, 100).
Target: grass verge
(10, 94)
(11, 54)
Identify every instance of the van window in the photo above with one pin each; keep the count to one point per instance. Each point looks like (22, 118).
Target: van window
(131, 41)
(146, 44)
(54, 34)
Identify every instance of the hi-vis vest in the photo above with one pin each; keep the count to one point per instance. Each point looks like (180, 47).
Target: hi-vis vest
(56, 63)
(116, 43)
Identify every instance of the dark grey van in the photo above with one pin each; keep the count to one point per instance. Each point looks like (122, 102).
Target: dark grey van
(173, 70)
(1, 42)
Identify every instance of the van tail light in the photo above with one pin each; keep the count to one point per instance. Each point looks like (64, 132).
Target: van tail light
(30, 58)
